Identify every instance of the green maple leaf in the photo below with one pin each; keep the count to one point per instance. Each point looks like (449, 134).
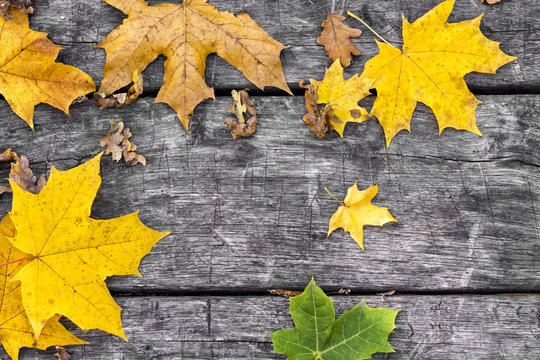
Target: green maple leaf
(356, 335)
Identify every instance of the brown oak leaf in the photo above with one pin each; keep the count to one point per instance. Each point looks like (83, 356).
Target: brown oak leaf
(336, 38)
(21, 173)
(319, 115)
(246, 113)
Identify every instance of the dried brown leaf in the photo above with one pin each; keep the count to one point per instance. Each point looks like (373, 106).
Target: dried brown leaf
(24, 177)
(61, 353)
(26, 6)
(8, 156)
(336, 38)
(246, 113)
(122, 99)
(318, 116)
(490, 2)
(284, 293)
(118, 144)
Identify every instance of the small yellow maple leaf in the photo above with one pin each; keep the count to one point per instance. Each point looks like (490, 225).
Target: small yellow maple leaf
(29, 74)
(430, 69)
(342, 96)
(357, 211)
(15, 328)
(186, 34)
(73, 254)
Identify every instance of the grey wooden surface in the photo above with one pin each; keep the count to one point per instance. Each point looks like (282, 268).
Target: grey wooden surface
(251, 214)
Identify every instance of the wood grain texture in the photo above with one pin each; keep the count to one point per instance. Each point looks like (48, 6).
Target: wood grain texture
(77, 26)
(428, 327)
(252, 213)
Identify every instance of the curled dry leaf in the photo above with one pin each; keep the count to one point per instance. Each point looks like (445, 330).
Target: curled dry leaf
(318, 116)
(245, 111)
(336, 38)
(118, 144)
(61, 353)
(26, 6)
(284, 293)
(122, 99)
(21, 173)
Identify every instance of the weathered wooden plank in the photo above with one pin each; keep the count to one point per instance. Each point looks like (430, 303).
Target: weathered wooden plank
(516, 24)
(252, 213)
(428, 327)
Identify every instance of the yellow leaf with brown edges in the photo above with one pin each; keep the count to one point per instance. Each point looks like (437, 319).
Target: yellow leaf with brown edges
(29, 74)
(15, 329)
(342, 96)
(430, 68)
(72, 254)
(357, 211)
(336, 38)
(186, 34)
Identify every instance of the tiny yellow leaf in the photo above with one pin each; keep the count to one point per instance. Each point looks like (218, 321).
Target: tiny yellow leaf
(357, 211)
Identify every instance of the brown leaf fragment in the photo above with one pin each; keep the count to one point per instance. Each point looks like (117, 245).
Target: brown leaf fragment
(24, 177)
(318, 116)
(246, 113)
(384, 294)
(336, 38)
(61, 353)
(118, 144)
(21, 173)
(284, 293)
(344, 291)
(8, 156)
(490, 2)
(26, 6)
(122, 99)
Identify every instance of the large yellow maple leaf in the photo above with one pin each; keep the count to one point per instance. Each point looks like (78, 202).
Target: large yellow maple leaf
(357, 211)
(15, 329)
(430, 69)
(29, 74)
(186, 34)
(73, 254)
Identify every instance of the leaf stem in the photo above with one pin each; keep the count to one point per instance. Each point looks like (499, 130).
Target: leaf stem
(369, 27)
(16, 261)
(332, 195)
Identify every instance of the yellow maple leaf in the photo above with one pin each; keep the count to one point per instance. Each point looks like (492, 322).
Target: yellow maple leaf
(72, 253)
(186, 34)
(29, 74)
(430, 69)
(15, 328)
(357, 211)
(342, 96)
